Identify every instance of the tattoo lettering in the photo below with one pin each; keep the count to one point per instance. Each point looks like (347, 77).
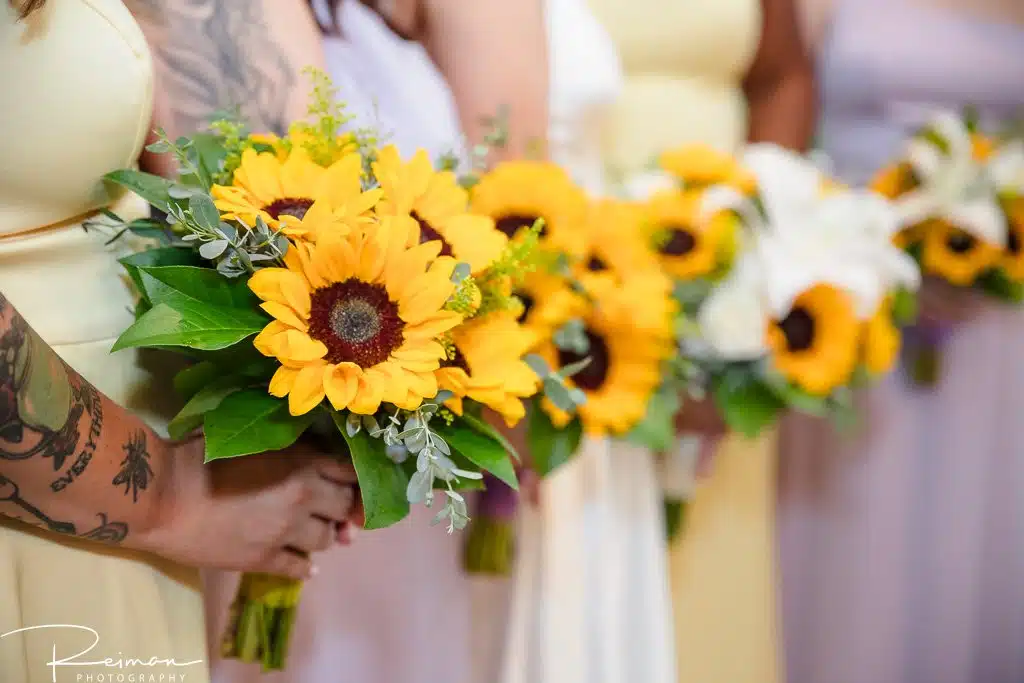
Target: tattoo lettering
(135, 470)
(89, 399)
(217, 55)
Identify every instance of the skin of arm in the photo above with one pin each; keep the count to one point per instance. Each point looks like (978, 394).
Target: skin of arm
(213, 56)
(493, 53)
(780, 85)
(71, 460)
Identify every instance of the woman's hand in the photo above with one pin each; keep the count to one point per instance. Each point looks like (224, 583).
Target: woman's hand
(263, 513)
(940, 303)
(701, 418)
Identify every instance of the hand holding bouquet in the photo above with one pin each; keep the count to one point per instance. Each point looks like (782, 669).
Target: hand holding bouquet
(960, 198)
(325, 288)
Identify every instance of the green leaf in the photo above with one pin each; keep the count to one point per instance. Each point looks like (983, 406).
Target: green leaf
(904, 307)
(382, 482)
(997, 283)
(485, 452)
(192, 325)
(152, 188)
(657, 430)
(551, 447)
(164, 256)
(409, 467)
(251, 421)
(172, 284)
(204, 211)
(209, 155)
(206, 399)
(748, 406)
(490, 430)
(192, 379)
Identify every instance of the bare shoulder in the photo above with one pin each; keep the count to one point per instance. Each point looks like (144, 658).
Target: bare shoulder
(218, 55)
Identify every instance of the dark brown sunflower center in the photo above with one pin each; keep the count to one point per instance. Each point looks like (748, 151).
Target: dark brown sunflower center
(798, 329)
(356, 321)
(592, 377)
(679, 243)
(527, 305)
(596, 264)
(513, 223)
(288, 206)
(960, 242)
(458, 361)
(1013, 243)
(429, 234)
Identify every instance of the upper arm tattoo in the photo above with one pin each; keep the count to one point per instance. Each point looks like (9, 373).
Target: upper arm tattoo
(217, 55)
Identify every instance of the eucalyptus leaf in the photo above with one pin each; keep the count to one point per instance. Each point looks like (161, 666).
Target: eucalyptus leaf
(538, 364)
(251, 421)
(559, 394)
(212, 250)
(419, 486)
(657, 430)
(483, 451)
(574, 368)
(382, 483)
(461, 272)
(204, 211)
(180, 192)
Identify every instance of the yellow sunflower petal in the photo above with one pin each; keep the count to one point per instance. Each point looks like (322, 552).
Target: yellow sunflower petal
(298, 347)
(266, 341)
(368, 396)
(282, 286)
(434, 326)
(307, 390)
(285, 314)
(341, 382)
(425, 296)
(283, 381)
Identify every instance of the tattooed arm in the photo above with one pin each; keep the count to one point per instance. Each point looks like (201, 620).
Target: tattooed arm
(71, 461)
(217, 55)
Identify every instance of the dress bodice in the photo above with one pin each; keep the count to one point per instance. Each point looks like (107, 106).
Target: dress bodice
(77, 90)
(886, 64)
(684, 62)
(391, 84)
(585, 78)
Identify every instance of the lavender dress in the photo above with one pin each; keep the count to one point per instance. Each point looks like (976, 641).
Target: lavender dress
(903, 544)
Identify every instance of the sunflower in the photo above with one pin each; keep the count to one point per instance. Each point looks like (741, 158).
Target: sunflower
(880, 340)
(686, 248)
(616, 248)
(488, 366)
(296, 194)
(516, 193)
(547, 302)
(357, 319)
(433, 206)
(702, 165)
(815, 344)
(625, 360)
(1012, 259)
(956, 255)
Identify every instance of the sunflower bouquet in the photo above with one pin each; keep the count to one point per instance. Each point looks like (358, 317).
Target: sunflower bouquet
(960, 197)
(789, 287)
(323, 287)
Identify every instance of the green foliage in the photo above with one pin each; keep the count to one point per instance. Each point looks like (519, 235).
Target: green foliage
(474, 422)
(515, 262)
(657, 431)
(251, 421)
(482, 450)
(550, 446)
(164, 256)
(747, 404)
(996, 283)
(207, 398)
(904, 307)
(382, 482)
(153, 188)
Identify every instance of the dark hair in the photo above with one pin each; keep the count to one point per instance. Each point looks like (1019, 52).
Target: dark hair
(26, 7)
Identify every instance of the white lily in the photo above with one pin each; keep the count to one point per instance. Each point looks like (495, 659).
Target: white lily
(733, 319)
(954, 186)
(1006, 168)
(807, 236)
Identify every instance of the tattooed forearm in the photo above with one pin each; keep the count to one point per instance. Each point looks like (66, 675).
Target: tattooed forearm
(217, 55)
(51, 419)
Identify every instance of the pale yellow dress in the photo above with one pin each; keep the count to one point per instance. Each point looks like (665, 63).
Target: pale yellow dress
(76, 92)
(684, 62)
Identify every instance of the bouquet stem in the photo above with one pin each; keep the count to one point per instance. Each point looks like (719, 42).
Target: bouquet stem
(922, 351)
(262, 619)
(675, 516)
(490, 544)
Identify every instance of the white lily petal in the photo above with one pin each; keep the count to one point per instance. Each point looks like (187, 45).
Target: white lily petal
(640, 186)
(982, 218)
(786, 180)
(924, 157)
(1006, 167)
(724, 198)
(733, 319)
(951, 128)
(916, 206)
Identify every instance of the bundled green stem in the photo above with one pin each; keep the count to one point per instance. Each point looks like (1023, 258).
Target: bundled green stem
(262, 619)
